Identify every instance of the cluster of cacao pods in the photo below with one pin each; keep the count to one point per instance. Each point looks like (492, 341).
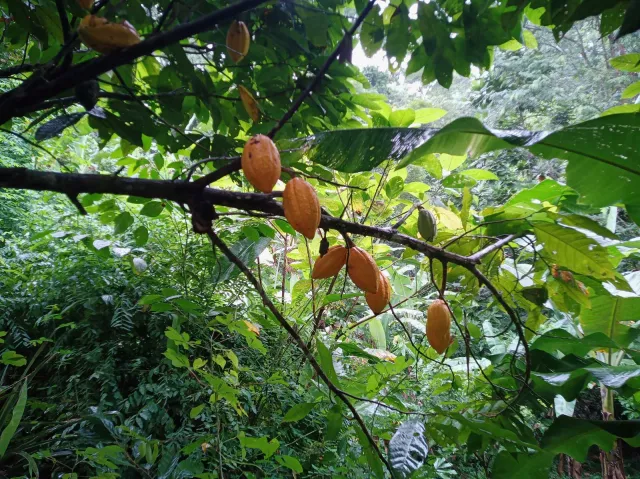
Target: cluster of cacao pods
(261, 166)
(105, 37)
(238, 41)
(362, 270)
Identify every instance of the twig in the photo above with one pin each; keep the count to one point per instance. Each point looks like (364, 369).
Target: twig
(218, 243)
(165, 15)
(321, 73)
(495, 246)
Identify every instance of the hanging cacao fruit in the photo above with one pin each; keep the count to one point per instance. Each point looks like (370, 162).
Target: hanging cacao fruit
(102, 36)
(378, 301)
(87, 93)
(427, 224)
(86, 4)
(363, 270)
(261, 163)
(439, 326)
(301, 207)
(330, 264)
(238, 41)
(249, 103)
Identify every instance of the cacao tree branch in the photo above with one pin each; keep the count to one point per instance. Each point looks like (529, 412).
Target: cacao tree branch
(495, 246)
(218, 243)
(321, 73)
(182, 192)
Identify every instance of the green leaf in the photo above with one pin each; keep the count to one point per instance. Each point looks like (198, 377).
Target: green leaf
(372, 33)
(631, 91)
(141, 235)
(334, 422)
(574, 437)
(563, 341)
(372, 457)
(428, 115)
(153, 208)
(479, 174)
(529, 466)
(394, 187)
(195, 412)
(626, 63)
(606, 316)
(14, 422)
(402, 118)
(268, 448)
(573, 250)
(290, 462)
(326, 362)
(247, 250)
(378, 333)
(299, 411)
(122, 222)
(11, 358)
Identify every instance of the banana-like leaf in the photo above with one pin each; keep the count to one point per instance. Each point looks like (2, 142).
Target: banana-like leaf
(607, 314)
(602, 153)
(408, 448)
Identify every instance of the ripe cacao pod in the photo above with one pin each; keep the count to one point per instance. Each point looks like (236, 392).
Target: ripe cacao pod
(439, 326)
(427, 224)
(249, 103)
(330, 264)
(86, 4)
(238, 41)
(301, 207)
(363, 270)
(261, 163)
(378, 301)
(104, 37)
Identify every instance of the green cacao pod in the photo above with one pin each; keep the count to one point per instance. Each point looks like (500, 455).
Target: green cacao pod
(427, 224)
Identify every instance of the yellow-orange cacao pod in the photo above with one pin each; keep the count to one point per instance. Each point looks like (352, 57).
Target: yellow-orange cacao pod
(439, 326)
(301, 207)
(331, 263)
(261, 163)
(363, 270)
(378, 301)
(86, 4)
(250, 104)
(102, 36)
(238, 41)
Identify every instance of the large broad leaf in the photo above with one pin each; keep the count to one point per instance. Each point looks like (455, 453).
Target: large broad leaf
(606, 315)
(601, 152)
(408, 448)
(247, 250)
(14, 422)
(574, 437)
(574, 250)
(563, 341)
(528, 466)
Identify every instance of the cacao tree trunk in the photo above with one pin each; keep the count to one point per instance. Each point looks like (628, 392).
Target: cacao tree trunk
(612, 462)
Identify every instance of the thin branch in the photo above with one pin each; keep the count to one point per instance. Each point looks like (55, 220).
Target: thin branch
(25, 67)
(218, 243)
(493, 247)
(165, 15)
(321, 73)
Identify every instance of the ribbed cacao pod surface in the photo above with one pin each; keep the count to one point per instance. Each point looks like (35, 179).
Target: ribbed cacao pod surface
(439, 326)
(261, 163)
(330, 264)
(104, 37)
(427, 224)
(238, 41)
(301, 207)
(379, 301)
(363, 270)
(250, 104)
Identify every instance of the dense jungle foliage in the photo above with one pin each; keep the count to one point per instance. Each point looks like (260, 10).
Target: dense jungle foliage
(135, 344)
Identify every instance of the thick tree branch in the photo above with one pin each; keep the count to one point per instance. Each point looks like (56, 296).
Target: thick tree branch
(37, 93)
(182, 192)
(218, 243)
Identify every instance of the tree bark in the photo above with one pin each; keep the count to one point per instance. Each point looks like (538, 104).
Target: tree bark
(612, 462)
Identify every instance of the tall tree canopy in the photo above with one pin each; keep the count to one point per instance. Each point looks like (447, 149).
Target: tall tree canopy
(161, 319)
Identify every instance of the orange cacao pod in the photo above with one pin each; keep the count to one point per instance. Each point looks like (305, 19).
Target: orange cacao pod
(378, 301)
(331, 263)
(439, 326)
(102, 36)
(301, 207)
(238, 40)
(363, 270)
(261, 163)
